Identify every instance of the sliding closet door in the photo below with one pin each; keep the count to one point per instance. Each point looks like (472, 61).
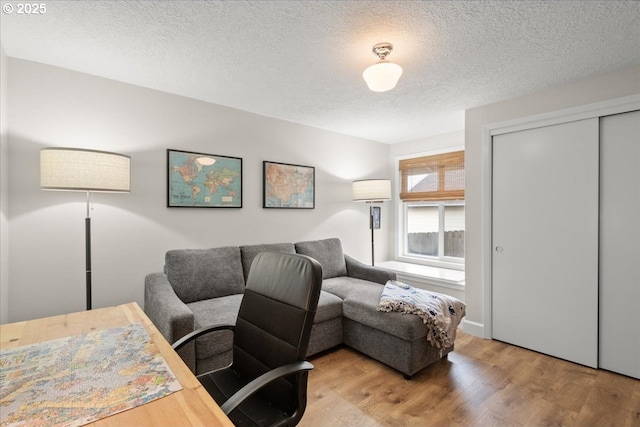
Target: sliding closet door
(620, 243)
(545, 240)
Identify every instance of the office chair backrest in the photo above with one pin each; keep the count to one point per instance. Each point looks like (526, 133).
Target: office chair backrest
(275, 318)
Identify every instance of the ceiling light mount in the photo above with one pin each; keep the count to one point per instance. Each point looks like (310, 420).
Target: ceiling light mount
(382, 50)
(383, 75)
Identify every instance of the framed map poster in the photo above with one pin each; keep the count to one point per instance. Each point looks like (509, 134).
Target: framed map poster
(288, 186)
(198, 180)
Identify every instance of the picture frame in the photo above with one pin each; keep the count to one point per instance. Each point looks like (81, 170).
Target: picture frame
(375, 217)
(200, 180)
(288, 186)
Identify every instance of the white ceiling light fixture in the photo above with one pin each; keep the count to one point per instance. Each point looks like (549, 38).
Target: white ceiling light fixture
(383, 75)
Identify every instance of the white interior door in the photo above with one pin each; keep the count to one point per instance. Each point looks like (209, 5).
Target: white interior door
(545, 240)
(620, 243)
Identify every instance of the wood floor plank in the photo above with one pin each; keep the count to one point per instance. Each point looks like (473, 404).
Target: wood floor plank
(482, 383)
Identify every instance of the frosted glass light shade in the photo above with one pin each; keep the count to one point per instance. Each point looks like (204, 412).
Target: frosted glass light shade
(371, 190)
(382, 76)
(77, 169)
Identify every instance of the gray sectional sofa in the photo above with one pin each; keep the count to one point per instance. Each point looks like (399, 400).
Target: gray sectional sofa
(202, 287)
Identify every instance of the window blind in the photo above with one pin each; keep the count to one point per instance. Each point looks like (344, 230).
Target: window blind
(433, 178)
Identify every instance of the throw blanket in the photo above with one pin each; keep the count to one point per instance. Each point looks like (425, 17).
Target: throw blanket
(441, 313)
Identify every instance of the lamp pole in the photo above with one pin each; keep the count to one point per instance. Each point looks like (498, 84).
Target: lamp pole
(87, 245)
(372, 228)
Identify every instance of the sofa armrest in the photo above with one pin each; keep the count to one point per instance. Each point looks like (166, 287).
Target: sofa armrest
(366, 272)
(169, 314)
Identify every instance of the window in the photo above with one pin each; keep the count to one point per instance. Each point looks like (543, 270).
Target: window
(435, 229)
(432, 195)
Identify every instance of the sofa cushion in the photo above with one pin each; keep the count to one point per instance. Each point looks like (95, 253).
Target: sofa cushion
(201, 274)
(215, 311)
(363, 308)
(329, 307)
(346, 286)
(249, 252)
(328, 253)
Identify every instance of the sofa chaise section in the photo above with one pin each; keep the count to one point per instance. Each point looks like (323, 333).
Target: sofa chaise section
(395, 339)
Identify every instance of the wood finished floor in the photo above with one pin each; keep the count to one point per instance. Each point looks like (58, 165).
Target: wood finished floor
(482, 383)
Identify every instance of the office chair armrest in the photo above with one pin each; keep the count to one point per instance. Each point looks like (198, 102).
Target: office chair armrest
(261, 381)
(198, 333)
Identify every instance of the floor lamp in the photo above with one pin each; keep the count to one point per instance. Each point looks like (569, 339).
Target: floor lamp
(371, 191)
(75, 169)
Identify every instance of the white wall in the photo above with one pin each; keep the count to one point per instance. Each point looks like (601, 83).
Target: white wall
(4, 193)
(445, 141)
(131, 232)
(600, 88)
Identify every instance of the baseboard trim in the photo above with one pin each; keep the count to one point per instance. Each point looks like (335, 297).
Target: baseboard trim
(473, 328)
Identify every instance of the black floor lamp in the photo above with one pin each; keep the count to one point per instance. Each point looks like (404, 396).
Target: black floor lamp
(372, 191)
(76, 169)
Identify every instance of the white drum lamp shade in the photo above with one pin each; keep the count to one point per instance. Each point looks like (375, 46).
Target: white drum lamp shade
(75, 169)
(371, 190)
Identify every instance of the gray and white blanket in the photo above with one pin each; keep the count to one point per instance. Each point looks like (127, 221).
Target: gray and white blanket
(441, 313)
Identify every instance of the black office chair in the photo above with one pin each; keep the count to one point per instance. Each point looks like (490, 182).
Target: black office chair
(266, 384)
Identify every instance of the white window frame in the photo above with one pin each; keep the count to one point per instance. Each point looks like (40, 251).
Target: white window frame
(401, 221)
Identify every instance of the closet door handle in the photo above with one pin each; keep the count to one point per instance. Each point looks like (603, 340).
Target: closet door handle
(499, 249)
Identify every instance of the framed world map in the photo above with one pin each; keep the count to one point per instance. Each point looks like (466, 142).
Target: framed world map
(199, 180)
(288, 186)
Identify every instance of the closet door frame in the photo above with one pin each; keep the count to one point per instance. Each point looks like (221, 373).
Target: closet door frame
(599, 109)
(619, 246)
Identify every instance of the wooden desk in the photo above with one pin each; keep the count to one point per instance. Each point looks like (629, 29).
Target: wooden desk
(191, 406)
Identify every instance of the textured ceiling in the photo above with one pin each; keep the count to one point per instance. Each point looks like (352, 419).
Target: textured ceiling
(303, 60)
